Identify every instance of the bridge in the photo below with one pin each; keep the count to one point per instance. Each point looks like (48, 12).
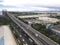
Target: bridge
(36, 36)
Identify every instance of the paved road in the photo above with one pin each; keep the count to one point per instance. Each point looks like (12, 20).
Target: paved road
(40, 40)
(27, 31)
(22, 37)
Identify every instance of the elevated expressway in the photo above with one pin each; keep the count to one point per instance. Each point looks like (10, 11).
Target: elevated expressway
(39, 38)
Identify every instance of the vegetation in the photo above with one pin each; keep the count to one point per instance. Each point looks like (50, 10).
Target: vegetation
(42, 29)
(20, 43)
(23, 20)
(23, 13)
(49, 33)
(3, 20)
(56, 23)
(58, 17)
(16, 36)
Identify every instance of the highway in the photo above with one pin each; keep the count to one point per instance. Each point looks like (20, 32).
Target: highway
(25, 30)
(21, 36)
(39, 38)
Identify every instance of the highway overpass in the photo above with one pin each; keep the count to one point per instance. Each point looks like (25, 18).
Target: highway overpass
(39, 38)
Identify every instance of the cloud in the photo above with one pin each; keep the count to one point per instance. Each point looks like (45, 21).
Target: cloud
(32, 2)
(29, 9)
(30, 5)
(1, 0)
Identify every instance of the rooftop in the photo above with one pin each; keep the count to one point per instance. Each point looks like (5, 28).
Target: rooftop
(6, 36)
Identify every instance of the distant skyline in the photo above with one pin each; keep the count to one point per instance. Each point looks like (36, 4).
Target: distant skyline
(30, 5)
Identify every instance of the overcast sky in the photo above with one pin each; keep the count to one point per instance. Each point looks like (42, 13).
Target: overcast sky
(30, 5)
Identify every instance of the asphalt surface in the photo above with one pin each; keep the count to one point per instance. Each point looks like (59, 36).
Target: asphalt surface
(22, 37)
(40, 40)
(27, 31)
